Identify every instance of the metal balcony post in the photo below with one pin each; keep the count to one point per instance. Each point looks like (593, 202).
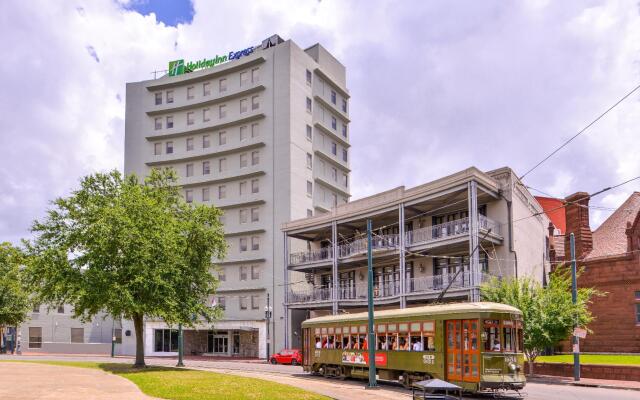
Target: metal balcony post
(474, 259)
(286, 291)
(334, 267)
(403, 267)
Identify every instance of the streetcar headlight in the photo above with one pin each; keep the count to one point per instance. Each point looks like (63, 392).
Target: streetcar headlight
(512, 367)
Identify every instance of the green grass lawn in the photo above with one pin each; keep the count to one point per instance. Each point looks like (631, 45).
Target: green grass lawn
(185, 384)
(604, 359)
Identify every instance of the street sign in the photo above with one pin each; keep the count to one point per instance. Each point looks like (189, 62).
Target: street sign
(580, 332)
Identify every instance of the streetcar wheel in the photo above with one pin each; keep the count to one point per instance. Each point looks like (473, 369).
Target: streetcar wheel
(406, 381)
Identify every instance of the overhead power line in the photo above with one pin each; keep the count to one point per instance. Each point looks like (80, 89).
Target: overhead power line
(581, 131)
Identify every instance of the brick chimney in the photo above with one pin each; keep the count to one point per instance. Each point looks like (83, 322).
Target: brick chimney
(577, 216)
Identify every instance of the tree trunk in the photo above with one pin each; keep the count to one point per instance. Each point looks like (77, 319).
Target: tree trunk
(530, 360)
(137, 324)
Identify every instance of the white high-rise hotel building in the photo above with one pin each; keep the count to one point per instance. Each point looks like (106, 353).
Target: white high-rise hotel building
(264, 137)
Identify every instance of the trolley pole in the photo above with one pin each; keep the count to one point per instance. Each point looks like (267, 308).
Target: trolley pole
(371, 343)
(180, 346)
(574, 297)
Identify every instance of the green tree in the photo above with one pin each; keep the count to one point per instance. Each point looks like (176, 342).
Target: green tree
(14, 299)
(132, 249)
(548, 312)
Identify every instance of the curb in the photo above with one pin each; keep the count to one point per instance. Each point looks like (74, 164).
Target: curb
(581, 384)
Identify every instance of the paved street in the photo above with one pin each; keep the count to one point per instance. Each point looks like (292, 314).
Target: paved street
(349, 389)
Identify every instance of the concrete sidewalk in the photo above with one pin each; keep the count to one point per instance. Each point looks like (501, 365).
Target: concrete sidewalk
(586, 382)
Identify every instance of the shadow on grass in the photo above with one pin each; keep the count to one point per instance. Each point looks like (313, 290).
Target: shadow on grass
(121, 368)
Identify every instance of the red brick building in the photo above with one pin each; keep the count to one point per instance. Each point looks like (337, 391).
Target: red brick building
(610, 256)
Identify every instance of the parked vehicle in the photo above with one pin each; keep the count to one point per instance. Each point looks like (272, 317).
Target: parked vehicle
(287, 356)
(477, 346)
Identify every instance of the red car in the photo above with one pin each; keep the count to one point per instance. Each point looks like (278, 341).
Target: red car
(287, 356)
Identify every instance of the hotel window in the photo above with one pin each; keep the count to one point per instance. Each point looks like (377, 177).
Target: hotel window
(205, 194)
(344, 105)
(190, 93)
(333, 97)
(206, 88)
(344, 130)
(308, 105)
(243, 133)
(243, 160)
(169, 148)
(222, 85)
(222, 138)
(309, 213)
(243, 302)
(255, 186)
(169, 121)
(222, 111)
(244, 78)
(61, 309)
(255, 157)
(77, 335)
(206, 169)
(35, 337)
(188, 195)
(243, 188)
(255, 302)
(255, 130)
(255, 102)
(221, 302)
(36, 308)
(222, 274)
(222, 192)
(334, 148)
(165, 340)
(255, 214)
(222, 164)
(189, 170)
(309, 188)
(206, 115)
(158, 98)
(243, 216)
(243, 244)
(255, 75)
(158, 124)
(309, 133)
(334, 123)
(255, 243)
(205, 141)
(243, 105)
(255, 272)
(157, 149)
(190, 119)
(169, 96)
(345, 180)
(309, 161)
(344, 155)
(189, 144)
(334, 174)
(243, 272)
(308, 77)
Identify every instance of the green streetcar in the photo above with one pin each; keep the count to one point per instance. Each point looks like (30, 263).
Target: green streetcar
(477, 346)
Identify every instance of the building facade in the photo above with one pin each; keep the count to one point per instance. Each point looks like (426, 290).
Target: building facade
(263, 136)
(436, 241)
(610, 261)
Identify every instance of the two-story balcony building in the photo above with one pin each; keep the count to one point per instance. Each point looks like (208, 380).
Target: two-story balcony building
(445, 237)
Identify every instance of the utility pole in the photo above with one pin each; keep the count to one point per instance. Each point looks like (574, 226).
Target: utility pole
(113, 337)
(267, 317)
(371, 345)
(574, 297)
(180, 346)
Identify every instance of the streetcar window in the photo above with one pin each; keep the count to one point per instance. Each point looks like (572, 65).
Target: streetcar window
(382, 342)
(492, 335)
(519, 342)
(428, 343)
(338, 341)
(428, 326)
(416, 342)
(509, 339)
(331, 343)
(354, 342)
(345, 342)
(474, 335)
(392, 342)
(318, 342)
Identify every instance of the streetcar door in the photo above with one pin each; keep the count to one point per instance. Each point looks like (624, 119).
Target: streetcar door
(463, 352)
(306, 358)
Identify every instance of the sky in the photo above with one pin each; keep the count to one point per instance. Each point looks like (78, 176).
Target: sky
(436, 87)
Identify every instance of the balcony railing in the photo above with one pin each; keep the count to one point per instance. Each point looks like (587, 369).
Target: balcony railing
(450, 229)
(359, 246)
(305, 257)
(420, 285)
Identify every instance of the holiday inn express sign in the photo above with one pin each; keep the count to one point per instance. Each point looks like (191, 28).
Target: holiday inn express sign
(178, 67)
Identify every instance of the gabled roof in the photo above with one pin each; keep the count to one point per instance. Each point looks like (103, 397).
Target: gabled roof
(554, 208)
(610, 238)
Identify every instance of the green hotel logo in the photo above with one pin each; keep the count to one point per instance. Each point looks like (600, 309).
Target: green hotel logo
(176, 67)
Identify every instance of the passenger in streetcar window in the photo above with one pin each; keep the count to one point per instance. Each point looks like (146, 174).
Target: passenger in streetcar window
(330, 345)
(382, 342)
(496, 345)
(355, 342)
(338, 342)
(345, 342)
(318, 343)
(393, 343)
(363, 343)
(403, 344)
(417, 344)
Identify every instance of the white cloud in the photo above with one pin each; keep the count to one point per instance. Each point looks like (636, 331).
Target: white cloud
(435, 88)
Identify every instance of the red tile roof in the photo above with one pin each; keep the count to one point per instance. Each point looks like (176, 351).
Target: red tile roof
(555, 211)
(610, 238)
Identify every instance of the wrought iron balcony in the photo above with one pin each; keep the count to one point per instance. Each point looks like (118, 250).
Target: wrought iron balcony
(449, 229)
(307, 257)
(359, 246)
